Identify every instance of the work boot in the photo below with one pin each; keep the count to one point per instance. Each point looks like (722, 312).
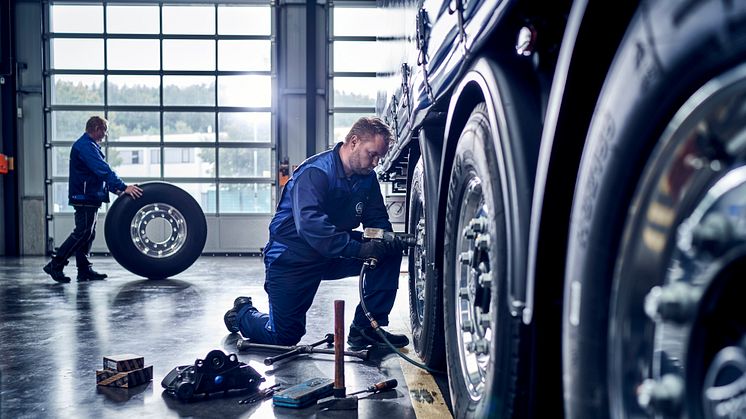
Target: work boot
(231, 316)
(88, 274)
(54, 269)
(362, 337)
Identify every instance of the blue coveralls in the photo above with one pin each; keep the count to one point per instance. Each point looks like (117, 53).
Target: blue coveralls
(311, 239)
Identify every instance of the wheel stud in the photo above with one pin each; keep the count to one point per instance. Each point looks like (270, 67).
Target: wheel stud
(676, 302)
(662, 397)
(466, 257)
(467, 326)
(482, 242)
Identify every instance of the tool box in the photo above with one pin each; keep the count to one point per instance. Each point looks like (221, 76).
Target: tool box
(304, 394)
(126, 371)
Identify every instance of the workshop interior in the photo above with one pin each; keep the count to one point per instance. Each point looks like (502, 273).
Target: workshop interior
(372, 208)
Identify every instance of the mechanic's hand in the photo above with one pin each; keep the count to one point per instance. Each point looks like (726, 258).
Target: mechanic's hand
(134, 191)
(396, 246)
(373, 249)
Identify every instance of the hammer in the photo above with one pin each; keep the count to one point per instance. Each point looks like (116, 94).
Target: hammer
(339, 400)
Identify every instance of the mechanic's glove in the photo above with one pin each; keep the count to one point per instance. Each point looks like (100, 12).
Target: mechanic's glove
(396, 246)
(373, 249)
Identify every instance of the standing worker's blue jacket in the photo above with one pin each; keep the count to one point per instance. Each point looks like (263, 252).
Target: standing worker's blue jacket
(91, 178)
(319, 207)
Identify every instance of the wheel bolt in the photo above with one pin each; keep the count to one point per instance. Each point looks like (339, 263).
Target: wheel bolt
(467, 326)
(478, 225)
(466, 257)
(662, 397)
(463, 292)
(676, 302)
(482, 242)
(713, 235)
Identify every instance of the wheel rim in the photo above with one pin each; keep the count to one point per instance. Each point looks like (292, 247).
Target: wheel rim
(173, 230)
(674, 344)
(420, 265)
(473, 288)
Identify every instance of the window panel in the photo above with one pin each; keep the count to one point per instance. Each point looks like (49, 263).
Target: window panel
(196, 20)
(203, 193)
(357, 56)
(189, 90)
(132, 19)
(133, 161)
(245, 162)
(189, 126)
(70, 125)
(251, 198)
(133, 54)
(252, 91)
(187, 54)
(134, 90)
(59, 198)
(342, 124)
(77, 18)
(356, 21)
(245, 126)
(189, 162)
(355, 91)
(77, 90)
(244, 20)
(134, 126)
(61, 160)
(77, 54)
(244, 55)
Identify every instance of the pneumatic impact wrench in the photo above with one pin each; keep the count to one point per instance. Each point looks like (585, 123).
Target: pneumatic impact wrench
(379, 234)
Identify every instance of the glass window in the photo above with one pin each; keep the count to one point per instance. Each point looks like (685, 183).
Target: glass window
(77, 90)
(187, 54)
(355, 91)
(343, 122)
(251, 91)
(252, 198)
(244, 20)
(59, 198)
(189, 162)
(133, 161)
(155, 156)
(244, 55)
(77, 54)
(77, 18)
(203, 193)
(189, 20)
(134, 90)
(356, 21)
(61, 160)
(134, 126)
(245, 162)
(132, 19)
(70, 125)
(357, 56)
(245, 126)
(189, 126)
(188, 90)
(133, 54)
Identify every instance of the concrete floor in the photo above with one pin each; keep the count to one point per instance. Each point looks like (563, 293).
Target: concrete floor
(53, 337)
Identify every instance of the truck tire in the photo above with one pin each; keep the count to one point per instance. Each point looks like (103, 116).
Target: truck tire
(158, 235)
(425, 295)
(652, 250)
(481, 335)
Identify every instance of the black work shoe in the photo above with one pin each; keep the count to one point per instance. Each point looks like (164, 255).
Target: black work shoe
(54, 270)
(362, 337)
(231, 316)
(88, 274)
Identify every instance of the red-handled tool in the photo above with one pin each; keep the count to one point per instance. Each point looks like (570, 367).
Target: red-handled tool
(377, 387)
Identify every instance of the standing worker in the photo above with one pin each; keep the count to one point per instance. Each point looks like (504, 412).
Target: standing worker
(311, 239)
(91, 179)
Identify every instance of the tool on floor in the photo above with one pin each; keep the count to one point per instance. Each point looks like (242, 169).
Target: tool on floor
(378, 387)
(339, 401)
(260, 395)
(293, 351)
(126, 370)
(303, 394)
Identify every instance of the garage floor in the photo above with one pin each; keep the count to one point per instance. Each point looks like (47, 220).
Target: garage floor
(53, 337)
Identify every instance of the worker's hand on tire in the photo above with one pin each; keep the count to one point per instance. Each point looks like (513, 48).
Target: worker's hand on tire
(373, 249)
(133, 190)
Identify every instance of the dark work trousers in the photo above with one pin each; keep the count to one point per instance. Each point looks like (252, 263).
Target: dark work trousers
(81, 239)
(292, 284)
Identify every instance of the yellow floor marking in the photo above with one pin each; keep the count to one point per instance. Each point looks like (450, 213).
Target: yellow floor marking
(427, 399)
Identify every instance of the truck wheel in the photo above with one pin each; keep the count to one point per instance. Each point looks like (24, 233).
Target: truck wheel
(157, 235)
(481, 335)
(425, 299)
(653, 313)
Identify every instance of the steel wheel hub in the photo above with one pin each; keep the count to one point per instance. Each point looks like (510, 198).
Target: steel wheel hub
(158, 230)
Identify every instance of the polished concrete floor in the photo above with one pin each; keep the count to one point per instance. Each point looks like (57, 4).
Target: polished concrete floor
(53, 338)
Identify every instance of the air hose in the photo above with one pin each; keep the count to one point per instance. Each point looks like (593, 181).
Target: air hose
(370, 264)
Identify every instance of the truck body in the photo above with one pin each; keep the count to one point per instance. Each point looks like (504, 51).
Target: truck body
(574, 176)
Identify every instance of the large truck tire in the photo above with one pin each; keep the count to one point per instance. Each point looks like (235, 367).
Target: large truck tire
(425, 294)
(481, 335)
(653, 323)
(158, 235)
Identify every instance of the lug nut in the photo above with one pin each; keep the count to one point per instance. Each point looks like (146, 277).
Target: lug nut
(467, 326)
(676, 302)
(662, 397)
(466, 257)
(713, 234)
(482, 242)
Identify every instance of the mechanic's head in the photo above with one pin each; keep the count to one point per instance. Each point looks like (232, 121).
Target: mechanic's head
(365, 144)
(97, 127)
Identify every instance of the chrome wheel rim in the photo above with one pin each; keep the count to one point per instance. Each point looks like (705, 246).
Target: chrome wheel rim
(161, 241)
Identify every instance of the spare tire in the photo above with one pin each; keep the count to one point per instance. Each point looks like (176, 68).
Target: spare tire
(158, 235)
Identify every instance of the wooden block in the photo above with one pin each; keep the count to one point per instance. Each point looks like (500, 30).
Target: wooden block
(126, 379)
(123, 362)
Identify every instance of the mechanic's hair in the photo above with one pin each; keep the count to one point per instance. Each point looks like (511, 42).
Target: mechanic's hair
(95, 122)
(368, 127)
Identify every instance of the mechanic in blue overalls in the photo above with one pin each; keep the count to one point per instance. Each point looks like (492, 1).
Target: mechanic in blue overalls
(311, 239)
